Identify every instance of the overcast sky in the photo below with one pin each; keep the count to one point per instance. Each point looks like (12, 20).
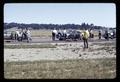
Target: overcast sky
(100, 14)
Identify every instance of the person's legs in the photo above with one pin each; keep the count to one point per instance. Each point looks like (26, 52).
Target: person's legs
(20, 38)
(64, 36)
(28, 39)
(53, 36)
(99, 37)
(107, 37)
(15, 36)
(86, 43)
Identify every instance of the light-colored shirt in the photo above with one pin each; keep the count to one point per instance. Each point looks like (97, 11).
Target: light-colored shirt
(54, 31)
(64, 31)
(17, 32)
(86, 34)
(28, 33)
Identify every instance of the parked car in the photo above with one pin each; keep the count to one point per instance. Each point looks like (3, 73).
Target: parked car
(8, 35)
(73, 35)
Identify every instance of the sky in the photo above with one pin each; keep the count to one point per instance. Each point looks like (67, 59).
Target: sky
(100, 14)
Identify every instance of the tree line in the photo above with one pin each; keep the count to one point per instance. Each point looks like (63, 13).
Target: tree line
(52, 26)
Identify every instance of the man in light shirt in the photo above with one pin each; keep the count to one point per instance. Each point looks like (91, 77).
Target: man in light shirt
(28, 35)
(16, 34)
(54, 33)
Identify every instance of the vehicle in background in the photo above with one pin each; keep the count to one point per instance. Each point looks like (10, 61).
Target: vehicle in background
(8, 35)
(73, 35)
(11, 36)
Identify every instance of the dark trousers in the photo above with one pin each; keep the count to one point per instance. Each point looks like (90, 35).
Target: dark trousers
(65, 36)
(99, 36)
(19, 38)
(107, 36)
(85, 42)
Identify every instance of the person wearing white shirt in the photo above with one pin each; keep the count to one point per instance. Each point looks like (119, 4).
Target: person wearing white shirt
(54, 33)
(28, 35)
(17, 35)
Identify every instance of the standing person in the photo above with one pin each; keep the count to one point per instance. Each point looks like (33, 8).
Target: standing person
(19, 35)
(64, 33)
(111, 35)
(12, 35)
(114, 34)
(28, 33)
(22, 31)
(16, 34)
(99, 35)
(54, 33)
(107, 35)
(85, 38)
(90, 32)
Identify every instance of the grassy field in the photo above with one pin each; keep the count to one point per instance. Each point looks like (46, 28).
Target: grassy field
(62, 69)
(41, 33)
(21, 46)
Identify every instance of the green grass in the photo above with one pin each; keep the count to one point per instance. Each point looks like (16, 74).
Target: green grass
(41, 33)
(29, 46)
(62, 69)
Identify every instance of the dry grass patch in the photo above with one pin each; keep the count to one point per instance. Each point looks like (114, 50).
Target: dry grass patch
(41, 33)
(62, 69)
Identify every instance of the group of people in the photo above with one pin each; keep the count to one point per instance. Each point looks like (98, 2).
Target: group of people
(84, 35)
(21, 34)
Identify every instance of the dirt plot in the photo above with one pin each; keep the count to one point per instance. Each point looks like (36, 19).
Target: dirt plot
(58, 51)
(60, 60)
